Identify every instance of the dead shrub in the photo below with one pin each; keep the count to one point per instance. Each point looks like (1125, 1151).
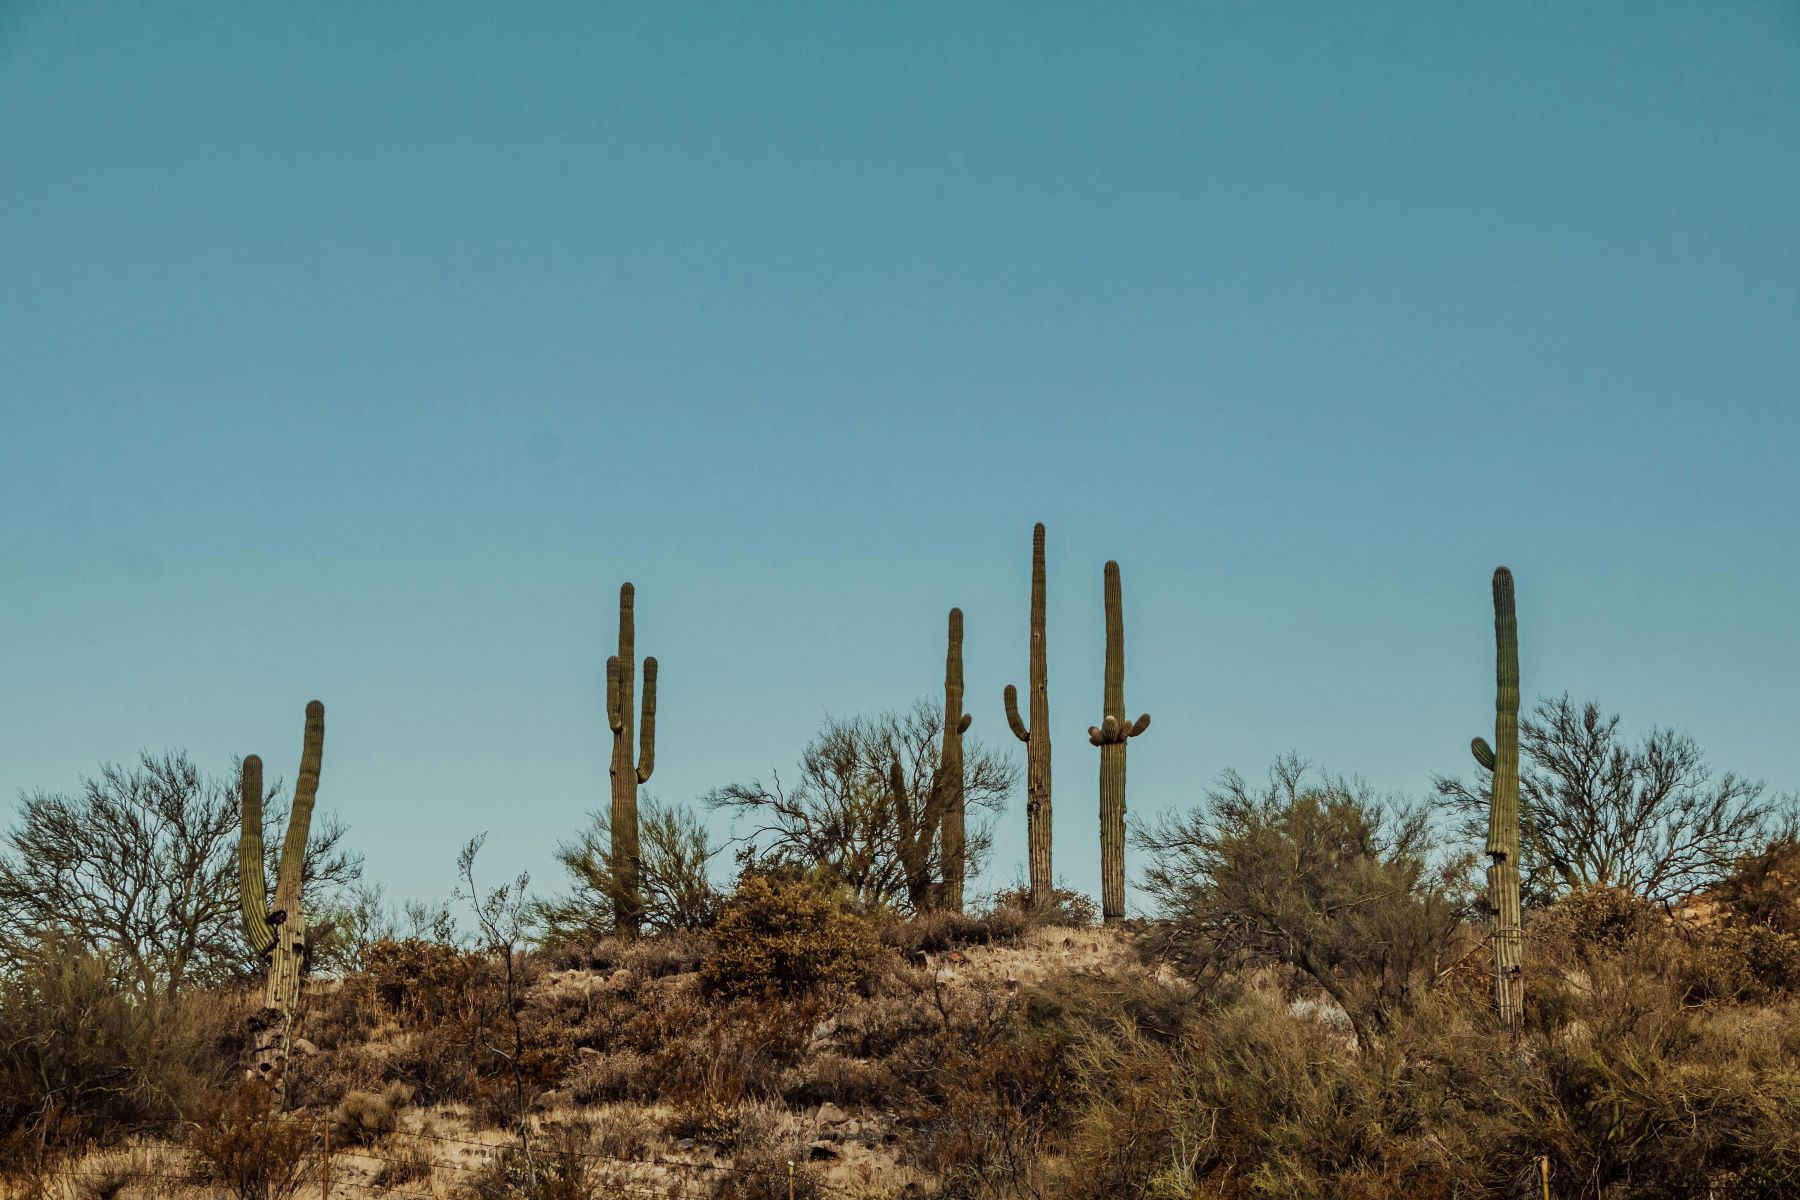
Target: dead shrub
(364, 1118)
(938, 930)
(555, 1169)
(1064, 908)
(405, 1164)
(251, 1150)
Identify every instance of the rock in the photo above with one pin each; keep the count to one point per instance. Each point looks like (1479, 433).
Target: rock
(586, 1052)
(822, 1152)
(956, 956)
(685, 1144)
(831, 1114)
(302, 1046)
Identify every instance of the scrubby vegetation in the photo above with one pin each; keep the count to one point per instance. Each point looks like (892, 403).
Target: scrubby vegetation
(1315, 1006)
(1005, 1054)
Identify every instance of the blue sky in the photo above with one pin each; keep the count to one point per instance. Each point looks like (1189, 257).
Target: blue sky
(361, 351)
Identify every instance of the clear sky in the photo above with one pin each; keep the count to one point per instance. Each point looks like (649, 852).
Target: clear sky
(360, 351)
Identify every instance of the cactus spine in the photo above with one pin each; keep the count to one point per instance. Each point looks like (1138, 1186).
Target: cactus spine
(621, 684)
(1111, 735)
(948, 783)
(1502, 758)
(278, 934)
(1037, 737)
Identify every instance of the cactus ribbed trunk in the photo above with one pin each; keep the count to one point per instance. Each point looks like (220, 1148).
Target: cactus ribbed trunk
(621, 688)
(1111, 735)
(1503, 811)
(278, 934)
(1036, 737)
(948, 782)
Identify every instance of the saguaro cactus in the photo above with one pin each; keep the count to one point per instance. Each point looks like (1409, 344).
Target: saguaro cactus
(621, 684)
(1111, 735)
(1502, 758)
(947, 785)
(278, 934)
(918, 829)
(1037, 737)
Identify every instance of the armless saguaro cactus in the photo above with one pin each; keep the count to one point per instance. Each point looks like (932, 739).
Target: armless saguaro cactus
(1502, 758)
(948, 783)
(1037, 737)
(278, 934)
(621, 684)
(1111, 735)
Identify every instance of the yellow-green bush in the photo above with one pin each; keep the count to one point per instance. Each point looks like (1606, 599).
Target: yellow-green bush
(786, 939)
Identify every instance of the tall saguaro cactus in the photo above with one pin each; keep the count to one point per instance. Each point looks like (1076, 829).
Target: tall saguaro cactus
(948, 783)
(1111, 735)
(621, 685)
(278, 934)
(1037, 737)
(1502, 758)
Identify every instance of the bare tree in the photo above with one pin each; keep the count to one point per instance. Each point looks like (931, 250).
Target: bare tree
(675, 850)
(141, 868)
(839, 818)
(1595, 812)
(501, 916)
(1315, 873)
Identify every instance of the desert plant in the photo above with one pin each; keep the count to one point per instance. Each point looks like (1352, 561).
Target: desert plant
(85, 1059)
(949, 779)
(1056, 906)
(843, 820)
(247, 1147)
(1036, 736)
(501, 915)
(1502, 758)
(1317, 875)
(678, 893)
(404, 1164)
(785, 939)
(559, 1171)
(1595, 811)
(278, 935)
(1111, 735)
(364, 1118)
(141, 867)
(621, 683)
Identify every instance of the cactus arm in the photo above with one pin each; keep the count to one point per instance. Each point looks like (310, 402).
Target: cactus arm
(1143, 723)
(1484, 753)
(647, 724)
(614, 720)
(306, 788)
(253, 886)
(1012, 715)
